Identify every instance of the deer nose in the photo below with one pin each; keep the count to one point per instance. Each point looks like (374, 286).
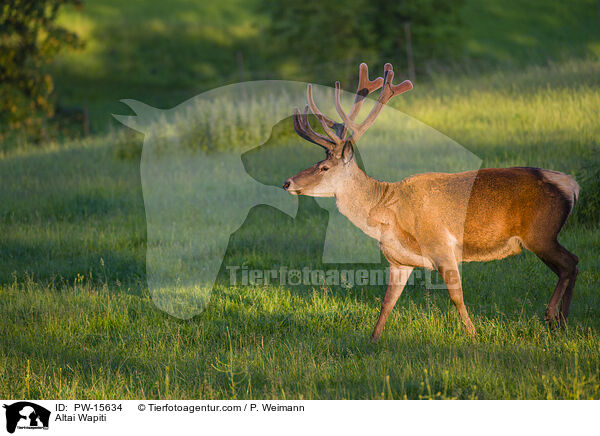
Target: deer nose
(287, 184)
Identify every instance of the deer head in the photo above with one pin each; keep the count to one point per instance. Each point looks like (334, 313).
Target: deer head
(324, 178)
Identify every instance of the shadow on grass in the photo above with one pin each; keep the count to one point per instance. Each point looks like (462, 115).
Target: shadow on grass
(45, 262)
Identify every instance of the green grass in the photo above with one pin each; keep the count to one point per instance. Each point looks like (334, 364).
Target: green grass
(76, 316)
(86, 341)
(77, 320)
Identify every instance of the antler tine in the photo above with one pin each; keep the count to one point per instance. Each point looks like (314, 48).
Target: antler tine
(325, 122)
(388, 92)
(394, 90)
(348, 122)
(330, 144)
(303, 129)
(307, 127)
(365, 87)
(338, 128)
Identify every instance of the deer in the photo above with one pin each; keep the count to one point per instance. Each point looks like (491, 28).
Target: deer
(417, 222)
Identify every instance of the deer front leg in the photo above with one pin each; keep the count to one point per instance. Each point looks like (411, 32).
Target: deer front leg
(397, 280)
(451, 276)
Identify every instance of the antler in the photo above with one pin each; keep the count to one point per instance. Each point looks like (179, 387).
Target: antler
(387, 93)
(302, 127)
(365, 87)
(337, 137)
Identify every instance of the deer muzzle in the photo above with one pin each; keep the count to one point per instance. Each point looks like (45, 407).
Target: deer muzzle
(291, 187)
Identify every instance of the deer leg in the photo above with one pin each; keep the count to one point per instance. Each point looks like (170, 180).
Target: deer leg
(565, 304)
(564, 265)
(559, 291)
(451, 276)
(398, 277)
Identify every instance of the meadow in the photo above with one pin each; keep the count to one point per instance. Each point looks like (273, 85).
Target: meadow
(76, 316)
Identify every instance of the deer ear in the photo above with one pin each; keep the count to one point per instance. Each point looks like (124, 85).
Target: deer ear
(347, 152)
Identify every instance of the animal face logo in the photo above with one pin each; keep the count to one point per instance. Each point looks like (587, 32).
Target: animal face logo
(26, 415)
(217, 160)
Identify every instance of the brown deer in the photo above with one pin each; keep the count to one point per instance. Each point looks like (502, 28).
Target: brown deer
(418, 221)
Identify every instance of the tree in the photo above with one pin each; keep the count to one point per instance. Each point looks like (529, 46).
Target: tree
(29, 39)
(336, 35)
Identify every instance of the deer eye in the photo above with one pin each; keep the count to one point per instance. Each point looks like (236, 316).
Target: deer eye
(324, 168)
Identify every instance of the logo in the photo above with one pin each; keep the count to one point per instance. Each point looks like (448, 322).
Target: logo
(26, 415)
(212, 170)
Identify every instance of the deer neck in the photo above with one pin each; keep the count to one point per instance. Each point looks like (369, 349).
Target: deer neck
(359, 194)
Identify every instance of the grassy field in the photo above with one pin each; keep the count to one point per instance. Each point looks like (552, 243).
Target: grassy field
(77, 319)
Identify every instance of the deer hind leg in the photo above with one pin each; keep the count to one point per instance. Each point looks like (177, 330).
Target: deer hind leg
(564, 265)
(449, 271)
(398, 277)
(565, 304)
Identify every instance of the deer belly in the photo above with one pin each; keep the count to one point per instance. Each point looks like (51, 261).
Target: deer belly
(492, 250)
(397, 254)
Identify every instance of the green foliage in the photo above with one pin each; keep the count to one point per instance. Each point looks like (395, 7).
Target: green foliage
(337, 35)
(321, 32)
(29, 39)
(587, 209)
(434, 24)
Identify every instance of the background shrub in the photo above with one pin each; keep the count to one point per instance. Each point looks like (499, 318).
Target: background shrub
(29, 39)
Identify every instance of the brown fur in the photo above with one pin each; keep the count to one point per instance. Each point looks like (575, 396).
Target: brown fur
(437, 220)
